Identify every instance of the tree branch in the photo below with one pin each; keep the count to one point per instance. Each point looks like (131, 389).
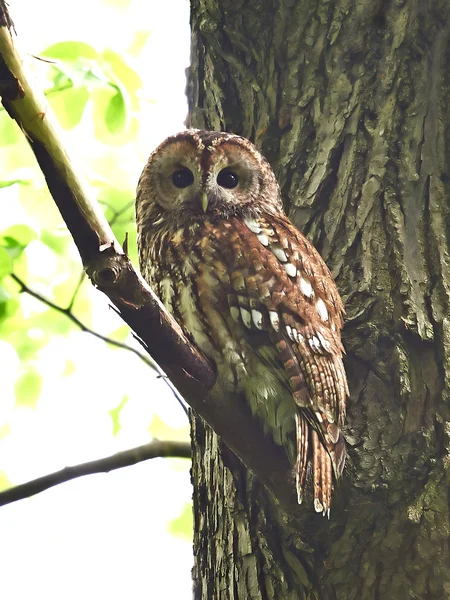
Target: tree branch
(111, 271)
(118, 213)
(76, 290)
(119, 460)
(68, 313)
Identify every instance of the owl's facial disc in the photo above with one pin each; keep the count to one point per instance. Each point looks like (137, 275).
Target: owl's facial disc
(184, 186)
(199, 174)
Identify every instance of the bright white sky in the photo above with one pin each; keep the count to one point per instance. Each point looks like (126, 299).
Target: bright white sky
(105, 536)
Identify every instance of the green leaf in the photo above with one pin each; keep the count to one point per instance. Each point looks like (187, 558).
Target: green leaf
(10, 182)
(8, 304)
(71, 367)
(69, 105)
(62, 78)
(138, 44)
(25, 348)
(120, 334)
(115, 116)
(124, 75)
(14, 240)
(6, 262)
(116, 110)
(28, 388)
(114, 413)
(160, 430)
(70, 51)
(19, 235)
(57, 240)
(182, 525)
(101, 99)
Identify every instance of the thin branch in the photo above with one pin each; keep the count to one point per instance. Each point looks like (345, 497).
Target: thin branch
(76, 290)
(122, 211)
(126, 458)
(117, 213)
(67, 312)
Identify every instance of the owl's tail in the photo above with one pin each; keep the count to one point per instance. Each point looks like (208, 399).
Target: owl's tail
(325, 463)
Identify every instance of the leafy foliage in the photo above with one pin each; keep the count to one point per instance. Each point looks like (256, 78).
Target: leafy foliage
(62, 391)
(95, 95)
(34, 243)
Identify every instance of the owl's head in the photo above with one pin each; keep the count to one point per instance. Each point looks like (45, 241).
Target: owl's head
(205, 174)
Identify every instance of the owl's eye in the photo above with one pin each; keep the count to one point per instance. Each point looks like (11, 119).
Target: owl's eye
(227, 179)
(182, 178)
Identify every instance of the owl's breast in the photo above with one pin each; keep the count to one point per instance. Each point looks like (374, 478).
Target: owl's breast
(193, 287)
(193, 292)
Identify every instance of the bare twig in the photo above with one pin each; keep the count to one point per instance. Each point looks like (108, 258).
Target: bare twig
(103, 465)
(118, 213)
(67, 312)
(76, 290)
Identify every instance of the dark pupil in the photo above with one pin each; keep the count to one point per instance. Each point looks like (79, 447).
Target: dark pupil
(182, 178)
(227, 179)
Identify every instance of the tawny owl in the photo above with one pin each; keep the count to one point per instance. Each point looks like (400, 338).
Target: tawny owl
(250, 290)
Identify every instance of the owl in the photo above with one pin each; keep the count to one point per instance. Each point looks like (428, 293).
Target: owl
(250, 291)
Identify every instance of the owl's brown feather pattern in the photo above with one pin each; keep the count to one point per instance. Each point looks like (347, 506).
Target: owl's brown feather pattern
(252, 293)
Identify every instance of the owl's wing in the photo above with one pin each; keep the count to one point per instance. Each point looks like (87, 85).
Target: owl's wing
(280, 285)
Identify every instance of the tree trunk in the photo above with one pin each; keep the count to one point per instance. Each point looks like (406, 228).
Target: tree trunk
(350, 104)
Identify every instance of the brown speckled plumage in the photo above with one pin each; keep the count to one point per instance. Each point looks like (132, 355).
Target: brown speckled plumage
(251, 292)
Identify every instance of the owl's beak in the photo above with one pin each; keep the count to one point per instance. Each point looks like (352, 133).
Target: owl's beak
(205, 201)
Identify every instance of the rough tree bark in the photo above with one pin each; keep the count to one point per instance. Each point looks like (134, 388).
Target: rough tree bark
(350, 103)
